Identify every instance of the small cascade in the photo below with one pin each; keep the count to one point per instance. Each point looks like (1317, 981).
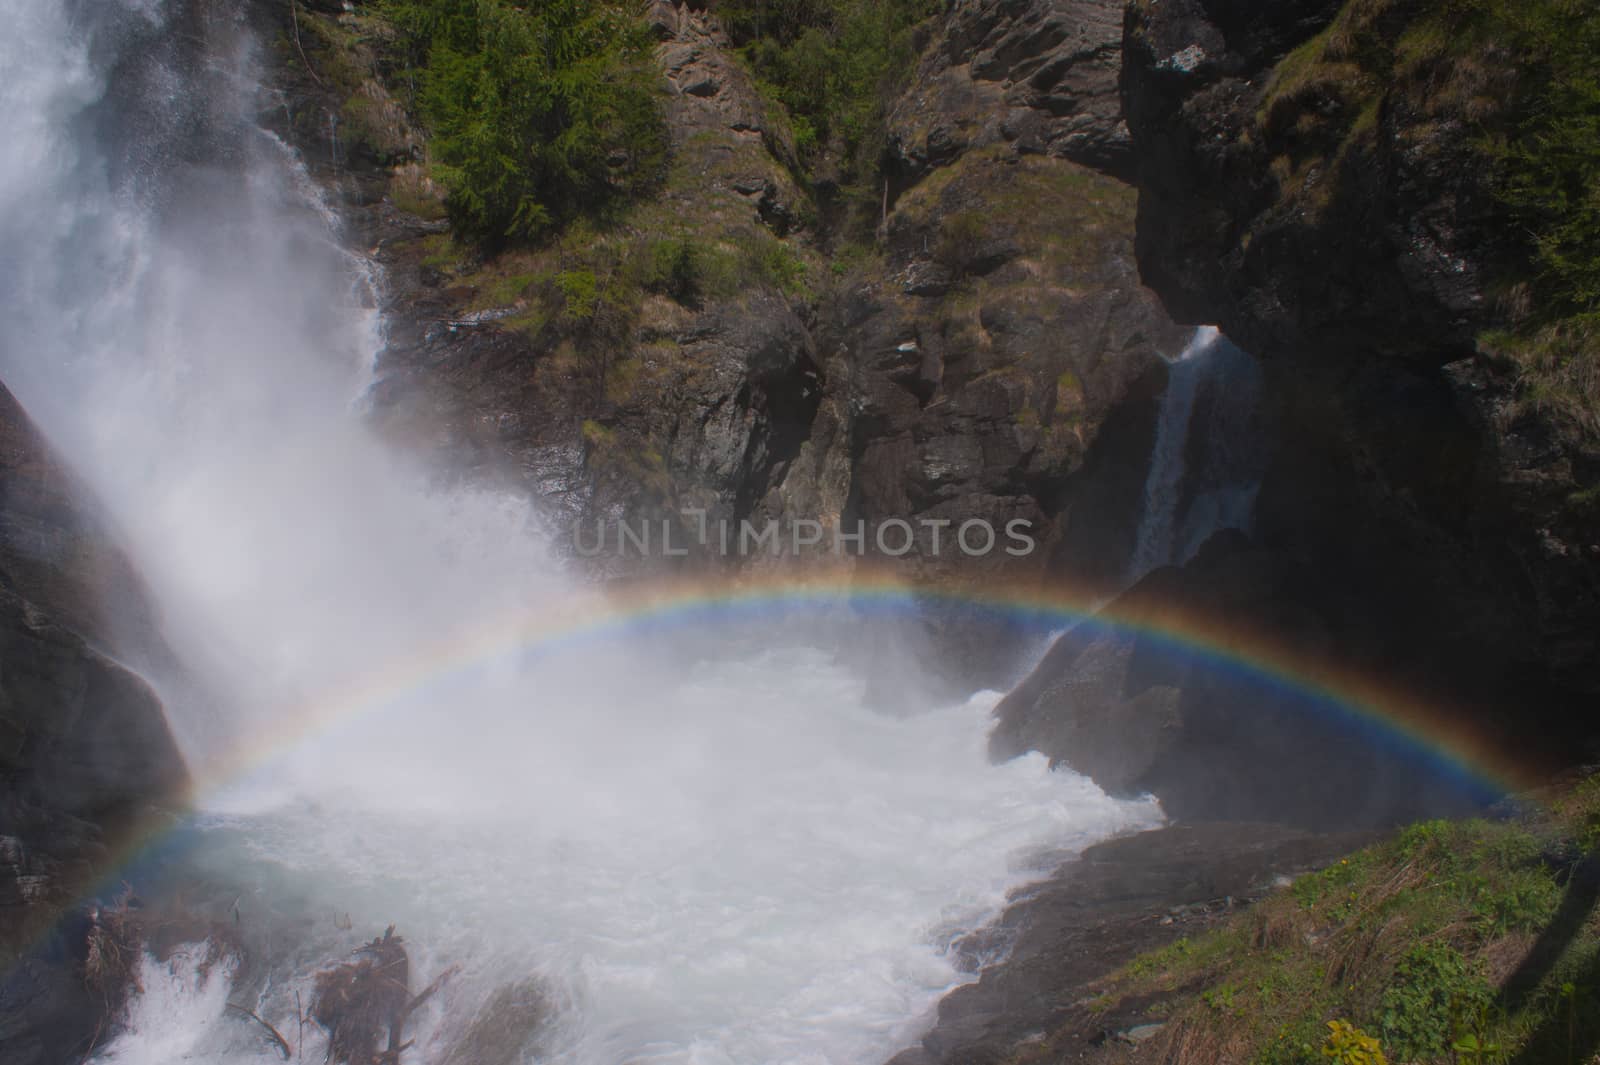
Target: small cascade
(1206, 465)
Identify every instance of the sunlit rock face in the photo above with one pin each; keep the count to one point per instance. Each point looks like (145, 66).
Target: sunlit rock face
(986, 360)
(1041, 77)
(1003, 360)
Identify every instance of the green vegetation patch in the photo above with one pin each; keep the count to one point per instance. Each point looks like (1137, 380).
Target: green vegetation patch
(538, 112)
(1460, 942)
(830, 68)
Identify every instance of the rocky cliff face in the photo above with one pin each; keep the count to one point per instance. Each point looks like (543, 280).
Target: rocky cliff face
(644, 395)
(998, 359)
(994, 357)
(84, 747)
(1040, 76)
(980, 362)
(1333, 212)
(1413, 523)
(1298, 207)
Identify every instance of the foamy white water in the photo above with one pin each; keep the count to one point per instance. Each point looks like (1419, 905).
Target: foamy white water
(784, 892)
(704, 847)
(181, 1007)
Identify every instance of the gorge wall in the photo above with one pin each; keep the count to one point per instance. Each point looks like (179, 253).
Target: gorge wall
(1419, 518)
(967, 364)
(994, 353)
(1319, 179)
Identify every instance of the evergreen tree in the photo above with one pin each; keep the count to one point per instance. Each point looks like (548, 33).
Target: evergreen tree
(538, 109)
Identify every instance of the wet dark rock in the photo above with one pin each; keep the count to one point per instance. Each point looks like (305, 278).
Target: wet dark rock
(508, 1028)
(84, 746)
(1214, 742)
(46, 1012)
(81, 734)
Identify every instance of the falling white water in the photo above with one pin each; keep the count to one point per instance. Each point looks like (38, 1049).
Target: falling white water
(1164, 483)
(182, 1003)
(706, 850)
(1202, 478)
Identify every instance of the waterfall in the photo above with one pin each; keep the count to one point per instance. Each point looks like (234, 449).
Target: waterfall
(707, 848)
(1204, 475)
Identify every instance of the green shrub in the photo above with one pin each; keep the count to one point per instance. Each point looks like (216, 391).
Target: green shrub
(675, 267)
(1551, 160)
(581, 290)
(1436, 998)
(832, 65)
(771, 260)
(539, 110)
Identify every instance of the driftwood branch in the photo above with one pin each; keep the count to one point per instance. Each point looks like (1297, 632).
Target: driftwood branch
(94, 1041)
(283, 1044)
(426, 993)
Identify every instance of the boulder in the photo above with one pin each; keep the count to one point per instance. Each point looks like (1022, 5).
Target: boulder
(1212, 736)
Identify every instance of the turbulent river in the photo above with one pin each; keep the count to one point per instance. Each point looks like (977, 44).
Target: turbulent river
(708, 846)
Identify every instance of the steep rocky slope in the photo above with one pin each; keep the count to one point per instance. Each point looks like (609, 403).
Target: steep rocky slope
(984, 356)
(967, 366)
(1039, 75)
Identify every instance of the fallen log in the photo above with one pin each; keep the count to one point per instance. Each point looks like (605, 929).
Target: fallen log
(283, 1044)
